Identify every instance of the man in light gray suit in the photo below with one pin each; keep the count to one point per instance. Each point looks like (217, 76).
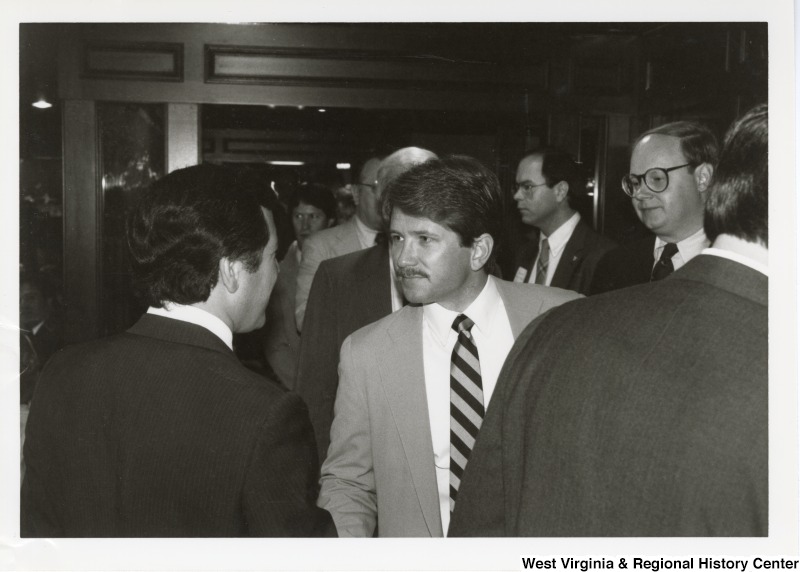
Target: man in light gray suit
(414, 386)
(642, 412)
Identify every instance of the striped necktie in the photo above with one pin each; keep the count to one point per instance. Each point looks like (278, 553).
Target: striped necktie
(466, 402)
(541, 266)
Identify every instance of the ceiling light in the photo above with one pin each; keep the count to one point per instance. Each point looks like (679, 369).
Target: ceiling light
(322, 111)
(42, 104)
(287, 163)
(343, 166)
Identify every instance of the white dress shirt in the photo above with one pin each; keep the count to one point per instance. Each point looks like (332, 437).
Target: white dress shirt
(556, 241)
(493, 337)
(688, 248)
(196, 316)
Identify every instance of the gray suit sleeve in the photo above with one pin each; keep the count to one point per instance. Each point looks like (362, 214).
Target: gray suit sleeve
(314, 253)
(348, 479)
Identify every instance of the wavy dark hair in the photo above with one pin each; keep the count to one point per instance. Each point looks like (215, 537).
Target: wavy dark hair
(457, 192)
(185, 223)
(737, 201)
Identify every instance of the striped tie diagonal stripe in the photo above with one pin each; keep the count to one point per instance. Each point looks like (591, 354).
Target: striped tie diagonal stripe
(466, 402)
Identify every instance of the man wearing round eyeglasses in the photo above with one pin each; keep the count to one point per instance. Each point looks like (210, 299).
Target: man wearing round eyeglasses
(357, 233)
(670, 171)
(548, 189)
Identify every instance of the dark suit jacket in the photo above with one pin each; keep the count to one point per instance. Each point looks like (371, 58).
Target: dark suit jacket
(348, 293)
(627, 265)
(578, 261)
(654, 423)
(160, 431)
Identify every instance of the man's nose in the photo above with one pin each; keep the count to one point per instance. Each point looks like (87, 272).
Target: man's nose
(404, 255)
(518, 196)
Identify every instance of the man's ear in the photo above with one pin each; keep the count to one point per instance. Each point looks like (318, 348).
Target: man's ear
(702, 176)
(481, 251)
(561, 189)
(229, 272)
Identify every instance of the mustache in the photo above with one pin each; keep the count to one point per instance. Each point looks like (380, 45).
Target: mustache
(410, 273)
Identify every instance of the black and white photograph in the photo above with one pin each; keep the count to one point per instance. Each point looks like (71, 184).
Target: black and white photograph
(469, 287)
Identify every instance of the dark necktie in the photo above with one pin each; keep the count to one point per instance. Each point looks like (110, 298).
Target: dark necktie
(466, 402)
(541, 265)
(664, 267)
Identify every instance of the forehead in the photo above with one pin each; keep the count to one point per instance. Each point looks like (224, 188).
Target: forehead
(657, 151)
(529, 167)
(403, 223)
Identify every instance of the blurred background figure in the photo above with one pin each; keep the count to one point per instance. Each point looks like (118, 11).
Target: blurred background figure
(40, 330)
(345, 205)
(357, 233)
(312, 209)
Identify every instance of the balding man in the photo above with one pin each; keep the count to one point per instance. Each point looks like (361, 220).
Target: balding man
(671, 169)
(357, 233)
(348, 292)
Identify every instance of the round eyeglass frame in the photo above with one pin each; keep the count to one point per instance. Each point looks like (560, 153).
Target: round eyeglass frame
(631, 182)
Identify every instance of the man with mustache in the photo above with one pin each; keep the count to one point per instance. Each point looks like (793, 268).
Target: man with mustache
(414, 386)
(348, 292)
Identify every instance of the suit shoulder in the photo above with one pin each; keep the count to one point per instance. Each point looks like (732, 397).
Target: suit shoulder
(523, 293)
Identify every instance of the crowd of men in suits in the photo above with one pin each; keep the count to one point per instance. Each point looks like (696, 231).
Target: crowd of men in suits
(426, 395)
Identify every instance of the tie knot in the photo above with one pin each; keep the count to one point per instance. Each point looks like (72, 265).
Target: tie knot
(463, 324)
(670, 250)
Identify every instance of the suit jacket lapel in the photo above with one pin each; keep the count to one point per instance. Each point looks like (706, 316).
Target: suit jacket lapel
(404, 385)
(570, 257)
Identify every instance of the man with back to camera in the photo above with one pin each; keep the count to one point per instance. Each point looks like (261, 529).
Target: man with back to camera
(398, 440)
(655, 422)
(548, 186)
(357, 233)
(348, 292)
(312, 208)
(160, 431)
(671, 169)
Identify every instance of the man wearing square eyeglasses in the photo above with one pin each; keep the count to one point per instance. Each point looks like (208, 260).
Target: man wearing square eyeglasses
(549, 186)
(670, 171)
(356, 234)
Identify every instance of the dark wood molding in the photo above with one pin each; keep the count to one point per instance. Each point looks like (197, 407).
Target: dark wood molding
(363, 69)
(113, 60)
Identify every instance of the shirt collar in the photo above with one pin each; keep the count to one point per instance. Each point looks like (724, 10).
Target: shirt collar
(366, 236)
(558, 240)
(194, 315)
(689, 247)
(482, 311)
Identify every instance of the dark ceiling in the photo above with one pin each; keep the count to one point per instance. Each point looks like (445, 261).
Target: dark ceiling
(495, 43)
